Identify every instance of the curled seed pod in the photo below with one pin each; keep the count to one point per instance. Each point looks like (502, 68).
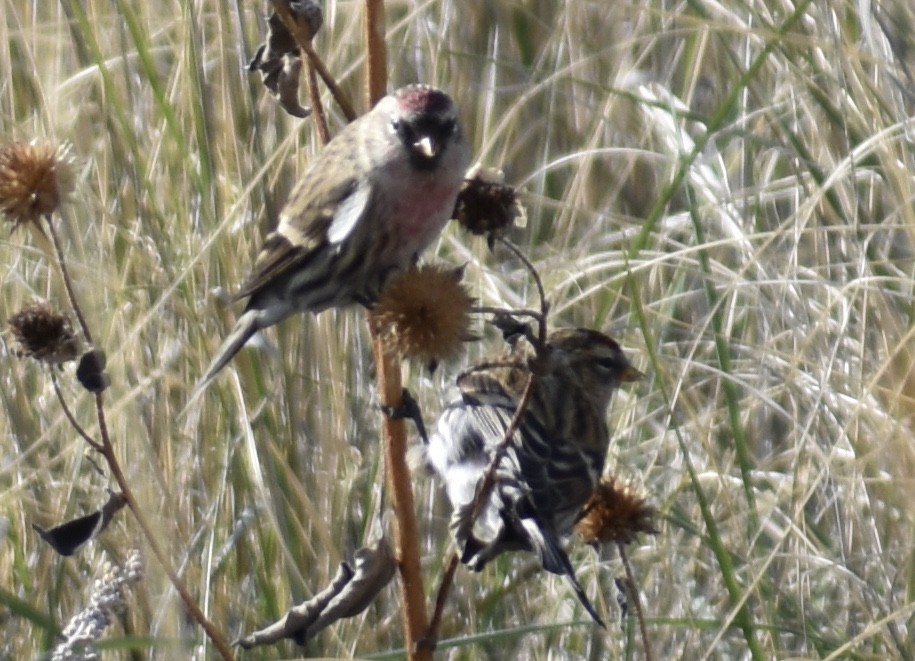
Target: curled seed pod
(91, 371)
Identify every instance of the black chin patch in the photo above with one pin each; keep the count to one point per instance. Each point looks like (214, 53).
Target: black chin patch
(420, 161)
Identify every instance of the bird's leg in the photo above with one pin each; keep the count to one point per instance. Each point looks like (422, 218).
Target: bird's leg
(408, 410)
(512, 329)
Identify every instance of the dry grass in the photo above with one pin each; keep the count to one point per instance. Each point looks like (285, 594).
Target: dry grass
(727, 187)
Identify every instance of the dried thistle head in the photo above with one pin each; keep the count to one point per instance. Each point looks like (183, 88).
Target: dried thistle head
(34, 180)
(614, 514)
(424, 314)
(486, 205)
(43, 334)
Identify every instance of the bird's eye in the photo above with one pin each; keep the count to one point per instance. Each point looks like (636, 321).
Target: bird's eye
(450, 126)
(607, 363)
(404, 129)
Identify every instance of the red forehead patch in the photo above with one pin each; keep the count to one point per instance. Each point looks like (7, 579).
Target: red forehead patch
(422, 98)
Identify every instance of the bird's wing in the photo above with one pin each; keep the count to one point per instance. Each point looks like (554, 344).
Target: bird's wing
(316, 216)
(556, 473)
(537, 476)
(500, 382)
(348, 212)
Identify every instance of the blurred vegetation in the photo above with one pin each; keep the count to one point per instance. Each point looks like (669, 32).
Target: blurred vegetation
(726, 187)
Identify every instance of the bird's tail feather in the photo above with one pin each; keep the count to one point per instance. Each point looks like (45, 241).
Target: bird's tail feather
(529, 535)
(583, 598)
(554, 560)
(246, 326)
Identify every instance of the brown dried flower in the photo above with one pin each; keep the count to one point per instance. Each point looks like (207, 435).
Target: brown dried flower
(43, 334)
(278, 59)
(614, 514)
(423, 313)
(486, 205)
(34, 179)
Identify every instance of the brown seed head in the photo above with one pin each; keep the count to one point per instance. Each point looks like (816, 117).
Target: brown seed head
(614, 514)
(43, 334)
(423, 314)
(486, 205)
(34, 179)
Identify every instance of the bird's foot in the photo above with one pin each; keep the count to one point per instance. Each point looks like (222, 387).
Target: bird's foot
(408, 409)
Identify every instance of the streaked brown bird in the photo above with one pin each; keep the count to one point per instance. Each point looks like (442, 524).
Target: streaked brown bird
(367, 205)
(556, 456)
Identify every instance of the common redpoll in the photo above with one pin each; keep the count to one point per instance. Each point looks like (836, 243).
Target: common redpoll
(555, 458)
(366, 206)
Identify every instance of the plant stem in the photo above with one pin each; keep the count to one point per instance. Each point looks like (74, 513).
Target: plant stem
(488, 481)
(390, 391)
(220, 643)
(68, 283)
(320, 117)
(377, 74)
(73, 421)
(447, 579)
(303, 39)
(406, 531)
(544, 304)
(636, 601)
(106, 449)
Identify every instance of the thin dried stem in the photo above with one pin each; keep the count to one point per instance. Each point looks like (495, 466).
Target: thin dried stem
(431, 637)
(219, 642)
(544, 304)
(95, 445)
(68, 283)
(486, 309)
(345, 106)
(317, 108)
(484, 488)
(489, 478)
(636, 601)
(390, 389)
(488, 481)
(106, 449)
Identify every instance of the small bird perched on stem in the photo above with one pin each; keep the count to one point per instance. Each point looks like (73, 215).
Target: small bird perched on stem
(555, 458)
(366, 206)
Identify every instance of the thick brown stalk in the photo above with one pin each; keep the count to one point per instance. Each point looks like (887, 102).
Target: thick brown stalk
(406, 532)
(390, 390)
(376, 54)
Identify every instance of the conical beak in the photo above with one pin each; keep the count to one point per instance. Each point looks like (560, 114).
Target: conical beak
(426, 146)
(631, 374)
